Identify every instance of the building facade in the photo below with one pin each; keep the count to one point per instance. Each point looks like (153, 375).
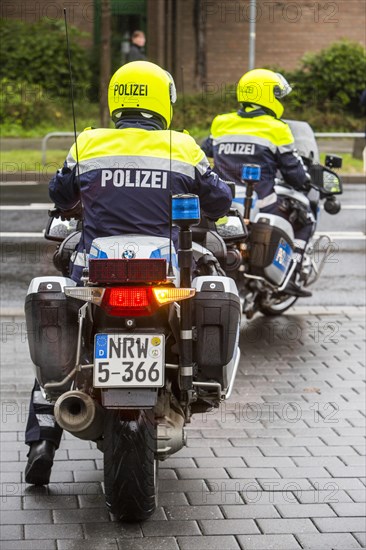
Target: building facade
(205, 43)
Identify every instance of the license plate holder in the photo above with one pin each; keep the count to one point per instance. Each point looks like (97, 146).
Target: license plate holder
(129, 360)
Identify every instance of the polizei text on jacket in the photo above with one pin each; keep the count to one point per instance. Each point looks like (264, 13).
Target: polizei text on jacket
(154, 179)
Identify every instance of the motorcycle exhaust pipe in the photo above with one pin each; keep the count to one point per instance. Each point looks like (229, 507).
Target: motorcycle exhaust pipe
(79, 414)
(170, 434)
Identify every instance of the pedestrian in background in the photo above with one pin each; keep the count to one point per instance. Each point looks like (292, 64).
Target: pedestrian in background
(137, 52)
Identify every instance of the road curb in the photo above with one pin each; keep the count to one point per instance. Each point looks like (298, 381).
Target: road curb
(12, 312)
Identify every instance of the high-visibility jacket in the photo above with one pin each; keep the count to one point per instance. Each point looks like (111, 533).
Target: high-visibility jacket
(254, 137)
(126, 177)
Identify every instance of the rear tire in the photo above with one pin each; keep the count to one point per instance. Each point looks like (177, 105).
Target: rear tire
(130, 468)
(279, 307)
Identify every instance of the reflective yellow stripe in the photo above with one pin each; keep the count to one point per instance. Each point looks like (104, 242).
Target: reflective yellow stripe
(137, 143)
(133, 163)
(265, 127)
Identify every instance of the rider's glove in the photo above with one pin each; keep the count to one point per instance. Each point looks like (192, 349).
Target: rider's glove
(305, 187)
(76, 212)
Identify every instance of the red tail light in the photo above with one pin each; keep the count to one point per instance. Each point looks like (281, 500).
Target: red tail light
(129, 297)
(129, 301)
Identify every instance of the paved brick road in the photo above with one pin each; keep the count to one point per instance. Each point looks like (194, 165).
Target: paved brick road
(281, 465)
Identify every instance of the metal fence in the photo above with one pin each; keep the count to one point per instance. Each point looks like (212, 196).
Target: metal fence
(320, 135)
(49, 136)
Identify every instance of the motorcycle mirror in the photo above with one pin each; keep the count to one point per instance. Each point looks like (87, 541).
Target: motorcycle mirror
(231, 227)
(331, 182)
(57, 229)
(333, 161)
(332, 206)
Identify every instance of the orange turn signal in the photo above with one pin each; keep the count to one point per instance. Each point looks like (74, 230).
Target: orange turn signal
(167, 295)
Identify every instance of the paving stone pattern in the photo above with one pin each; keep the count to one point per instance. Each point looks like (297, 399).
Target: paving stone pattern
(281, 465)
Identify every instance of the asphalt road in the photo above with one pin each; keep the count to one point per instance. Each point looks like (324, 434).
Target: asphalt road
(279, 466)
(25, 254)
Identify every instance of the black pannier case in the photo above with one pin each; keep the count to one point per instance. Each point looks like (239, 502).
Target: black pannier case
(265, 241)
(52, 327)
(216, 317)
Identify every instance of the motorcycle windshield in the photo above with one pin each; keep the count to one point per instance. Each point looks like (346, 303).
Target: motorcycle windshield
(305, 141)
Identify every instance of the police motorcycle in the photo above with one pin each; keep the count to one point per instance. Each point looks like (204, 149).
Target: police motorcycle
(128, 357)
(260, 247)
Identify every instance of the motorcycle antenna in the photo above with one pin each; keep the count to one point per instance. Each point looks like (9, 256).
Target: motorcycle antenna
(170, 266)
(74, 124)
(183, 98)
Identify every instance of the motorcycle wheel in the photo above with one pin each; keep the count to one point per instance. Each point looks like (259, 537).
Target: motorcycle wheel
(279, 307)
(130, 468)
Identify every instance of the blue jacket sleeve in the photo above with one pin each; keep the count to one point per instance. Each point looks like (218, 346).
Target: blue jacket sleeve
(215, 195)
(292, 169)
(207, 147)
(63, 188)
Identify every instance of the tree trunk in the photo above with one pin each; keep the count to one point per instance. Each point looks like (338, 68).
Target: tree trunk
(105, 63)
(200, 40)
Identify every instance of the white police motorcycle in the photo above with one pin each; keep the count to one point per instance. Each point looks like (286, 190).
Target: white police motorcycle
(260, 247)
(128, 357)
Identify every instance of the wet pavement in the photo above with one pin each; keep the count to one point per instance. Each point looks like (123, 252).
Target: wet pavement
(281, 465)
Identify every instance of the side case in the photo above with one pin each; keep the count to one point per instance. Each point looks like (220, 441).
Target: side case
(52, 327)
(217, 321)
(271, 247)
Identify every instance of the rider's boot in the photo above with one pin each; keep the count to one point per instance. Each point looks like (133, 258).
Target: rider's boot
(40, 461)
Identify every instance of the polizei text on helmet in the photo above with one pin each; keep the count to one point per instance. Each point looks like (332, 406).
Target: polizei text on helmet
(131, 89)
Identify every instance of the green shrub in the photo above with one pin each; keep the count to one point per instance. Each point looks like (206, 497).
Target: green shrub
(24, 105)
(330, 80)
(198, 110)
(36, 54)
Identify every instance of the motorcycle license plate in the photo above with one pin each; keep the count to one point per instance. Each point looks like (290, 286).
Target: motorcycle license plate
(129, 360)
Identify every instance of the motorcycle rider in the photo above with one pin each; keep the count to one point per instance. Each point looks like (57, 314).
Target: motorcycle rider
(126, 177)
(257, 135)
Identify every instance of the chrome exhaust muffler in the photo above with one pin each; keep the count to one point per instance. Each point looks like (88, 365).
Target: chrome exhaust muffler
(170, 426)
(170, 435)
(79, 414)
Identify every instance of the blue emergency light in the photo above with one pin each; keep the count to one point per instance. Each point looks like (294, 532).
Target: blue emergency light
(185, 210)
(251, 172)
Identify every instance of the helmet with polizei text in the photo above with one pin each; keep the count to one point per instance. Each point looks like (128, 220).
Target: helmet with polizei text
(144, 87)
(265, 88)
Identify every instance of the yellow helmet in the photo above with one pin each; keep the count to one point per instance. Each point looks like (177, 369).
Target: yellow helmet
(265, 88)
(142, 86)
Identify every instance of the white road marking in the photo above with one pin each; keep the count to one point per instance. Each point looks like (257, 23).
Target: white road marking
(26, 235)
(343, 235)
(353, 207)
(32, 206)
(18, 183)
